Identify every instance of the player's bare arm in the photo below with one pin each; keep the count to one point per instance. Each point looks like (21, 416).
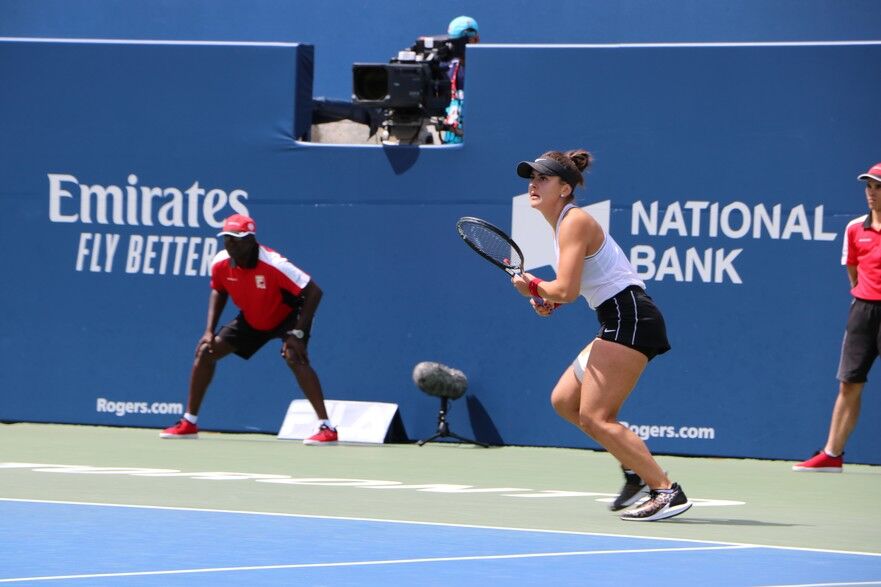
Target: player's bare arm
(311, 298)
(216, 304)
(852, 275)
(577, 232)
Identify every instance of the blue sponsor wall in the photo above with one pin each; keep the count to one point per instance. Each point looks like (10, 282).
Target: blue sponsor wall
(693, 145)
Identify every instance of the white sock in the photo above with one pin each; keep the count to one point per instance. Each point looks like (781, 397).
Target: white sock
(829, 454)
(192, 419)
(325, 423)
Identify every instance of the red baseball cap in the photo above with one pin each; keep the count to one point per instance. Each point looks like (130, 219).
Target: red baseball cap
(238, 225)
(873, 173)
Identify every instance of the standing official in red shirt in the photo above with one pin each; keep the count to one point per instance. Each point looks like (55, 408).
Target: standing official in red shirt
(276, 299)
(862, 338)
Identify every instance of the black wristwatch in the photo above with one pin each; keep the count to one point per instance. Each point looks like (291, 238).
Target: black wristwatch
(296, 332)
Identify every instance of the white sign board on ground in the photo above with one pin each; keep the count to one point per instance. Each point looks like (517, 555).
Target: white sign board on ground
(354, 421)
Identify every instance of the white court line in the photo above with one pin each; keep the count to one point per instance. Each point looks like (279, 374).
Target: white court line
(442, 524)
(847, 584)
(404, 561)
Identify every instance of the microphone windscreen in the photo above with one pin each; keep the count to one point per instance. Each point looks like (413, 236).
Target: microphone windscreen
(440, 380)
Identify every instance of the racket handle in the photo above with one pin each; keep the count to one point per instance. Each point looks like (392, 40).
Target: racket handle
(539, 301)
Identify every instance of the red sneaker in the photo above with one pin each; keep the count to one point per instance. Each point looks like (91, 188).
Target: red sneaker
(821, 463)
(325, 435)
(183, 429)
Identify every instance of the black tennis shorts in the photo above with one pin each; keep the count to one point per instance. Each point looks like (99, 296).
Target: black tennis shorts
(862, 341)
(631, 318)
(247, 340)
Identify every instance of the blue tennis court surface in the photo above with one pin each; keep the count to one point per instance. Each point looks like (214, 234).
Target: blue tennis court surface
(94, 544)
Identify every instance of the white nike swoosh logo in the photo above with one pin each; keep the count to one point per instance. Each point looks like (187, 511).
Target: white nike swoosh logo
(607, 330)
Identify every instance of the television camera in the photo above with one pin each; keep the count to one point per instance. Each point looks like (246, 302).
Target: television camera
(412, 90)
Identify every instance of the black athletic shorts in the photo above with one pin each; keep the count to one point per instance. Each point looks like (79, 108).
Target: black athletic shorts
(862, 341)
(631, 318)
(247, 340)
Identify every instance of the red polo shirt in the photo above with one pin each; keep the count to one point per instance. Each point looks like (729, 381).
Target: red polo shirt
(259, 292)
(862, 248)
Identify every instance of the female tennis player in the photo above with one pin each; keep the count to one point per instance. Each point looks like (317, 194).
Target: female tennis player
(591, 391)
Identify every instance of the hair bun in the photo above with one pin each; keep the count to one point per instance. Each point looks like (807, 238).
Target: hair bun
(581, 158)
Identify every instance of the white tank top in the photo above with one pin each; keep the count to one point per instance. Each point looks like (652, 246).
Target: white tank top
(605, 273)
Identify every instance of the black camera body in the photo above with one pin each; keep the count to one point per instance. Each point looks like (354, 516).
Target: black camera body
(414, 84)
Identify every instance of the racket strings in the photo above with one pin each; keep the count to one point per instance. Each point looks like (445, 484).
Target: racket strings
(492, 244)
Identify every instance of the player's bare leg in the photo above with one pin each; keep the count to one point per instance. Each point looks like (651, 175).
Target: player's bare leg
(844, 416)
(203, 372)
(611, 374)
(308, 380)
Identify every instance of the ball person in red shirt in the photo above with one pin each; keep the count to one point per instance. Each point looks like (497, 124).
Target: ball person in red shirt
(276, 299)
(861, 255)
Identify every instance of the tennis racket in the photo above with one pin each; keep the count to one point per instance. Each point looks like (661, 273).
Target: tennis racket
(491, 243)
